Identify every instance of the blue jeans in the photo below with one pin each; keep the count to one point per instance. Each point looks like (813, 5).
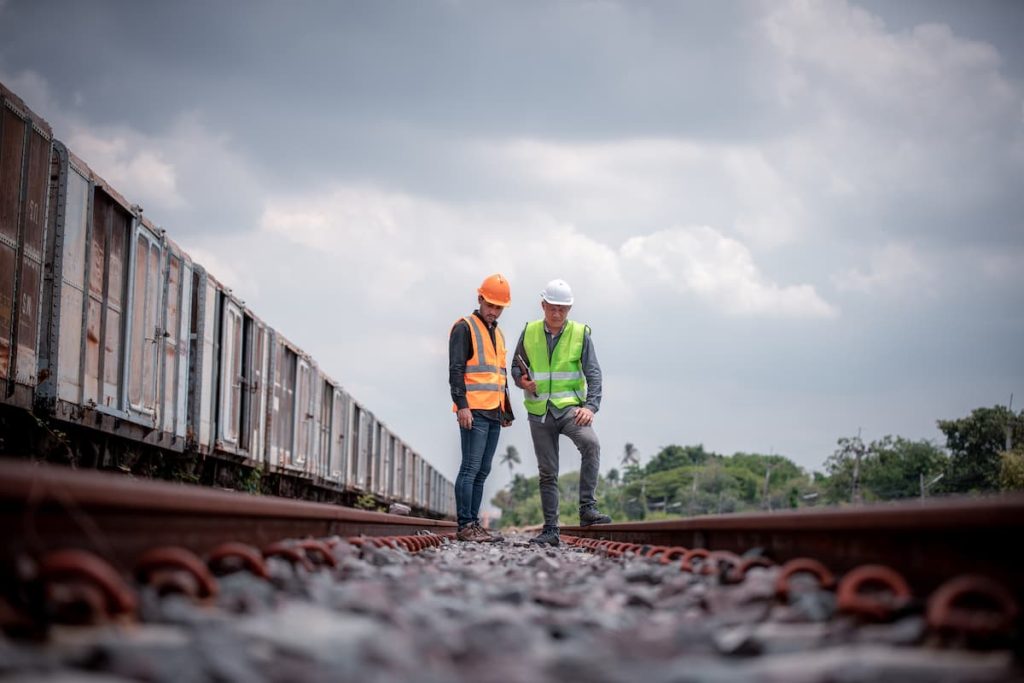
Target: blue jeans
(478, 445)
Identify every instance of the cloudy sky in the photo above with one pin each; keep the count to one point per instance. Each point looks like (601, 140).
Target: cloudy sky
(784, 221)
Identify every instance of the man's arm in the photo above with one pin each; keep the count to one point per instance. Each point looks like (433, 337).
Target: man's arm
(517, 372)
(592, 371)
(460, 347)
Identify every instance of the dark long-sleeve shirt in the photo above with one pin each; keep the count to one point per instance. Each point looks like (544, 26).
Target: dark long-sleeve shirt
(460, 350)
(588, 361)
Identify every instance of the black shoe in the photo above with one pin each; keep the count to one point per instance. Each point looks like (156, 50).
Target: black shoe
(548, 536)
(590, 515)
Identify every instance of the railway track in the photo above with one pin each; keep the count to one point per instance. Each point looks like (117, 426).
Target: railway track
(928, 542)
(47, 508)
(921, 590)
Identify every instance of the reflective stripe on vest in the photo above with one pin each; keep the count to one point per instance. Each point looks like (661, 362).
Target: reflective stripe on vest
(485, 369)
(559, 376)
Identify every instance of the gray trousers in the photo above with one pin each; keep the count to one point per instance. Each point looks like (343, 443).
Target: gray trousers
(545, 445)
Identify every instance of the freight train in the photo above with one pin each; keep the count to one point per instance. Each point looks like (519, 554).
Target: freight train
(117, 350)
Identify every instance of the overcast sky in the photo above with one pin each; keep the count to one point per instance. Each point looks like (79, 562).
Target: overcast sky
(784, 221)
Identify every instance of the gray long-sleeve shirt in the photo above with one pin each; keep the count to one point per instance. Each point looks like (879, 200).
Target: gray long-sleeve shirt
(588, 361)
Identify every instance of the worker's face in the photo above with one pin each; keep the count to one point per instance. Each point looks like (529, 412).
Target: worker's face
(488, 311)
(554, 315)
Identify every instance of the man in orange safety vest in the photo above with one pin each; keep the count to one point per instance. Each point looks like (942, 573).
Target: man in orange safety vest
(477, 379)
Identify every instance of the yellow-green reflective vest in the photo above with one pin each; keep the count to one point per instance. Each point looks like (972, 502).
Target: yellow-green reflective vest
(559, 376)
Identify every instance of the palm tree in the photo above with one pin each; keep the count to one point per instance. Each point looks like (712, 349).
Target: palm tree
(613, 477)
(511, 458)
(629, 455)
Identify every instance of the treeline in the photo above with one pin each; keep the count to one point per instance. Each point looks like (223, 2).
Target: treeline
(983, 453)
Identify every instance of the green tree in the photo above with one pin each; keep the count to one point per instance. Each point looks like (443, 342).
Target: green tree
(898, 467)
(887, 469)
(1011, 470)
(673, 456)
(843, 468)
(974, 443)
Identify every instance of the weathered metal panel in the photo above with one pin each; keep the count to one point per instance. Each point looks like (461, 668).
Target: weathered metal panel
(12, 135)
(209, 366)
(176, 282)
(8, 266)
(352, 448)
(399, 492)
(389, 465)
(327, 397)
(184, 349)
(12, 141)
(106, 292)
(376, 458)
(259, 362)
(154, 334)
(72, 291)
(339, 442)
(410, 475)
(303, 415)
(362, 422)
(283, 406)
(198, 361)
(417, 469)
(33, 238)
(315, 465)
(94, 313)
(145, 350)
(171, 322)
(231, 378)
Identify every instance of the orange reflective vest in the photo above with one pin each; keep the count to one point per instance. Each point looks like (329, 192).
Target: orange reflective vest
(485, 369)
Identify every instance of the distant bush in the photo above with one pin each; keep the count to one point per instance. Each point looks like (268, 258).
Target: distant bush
(1011, 470)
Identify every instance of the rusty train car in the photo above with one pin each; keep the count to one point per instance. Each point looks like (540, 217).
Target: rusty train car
(118, 350)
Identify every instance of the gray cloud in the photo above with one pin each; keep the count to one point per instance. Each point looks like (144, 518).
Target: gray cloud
(784, 221)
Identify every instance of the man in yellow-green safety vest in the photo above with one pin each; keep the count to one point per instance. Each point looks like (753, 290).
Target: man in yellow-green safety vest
(562, 392)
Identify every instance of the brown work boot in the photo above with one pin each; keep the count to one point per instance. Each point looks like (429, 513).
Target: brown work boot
(492, 536)
(468, 533)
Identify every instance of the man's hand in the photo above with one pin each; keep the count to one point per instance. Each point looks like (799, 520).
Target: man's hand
(583, 417)
(528, 384)
(465, 418)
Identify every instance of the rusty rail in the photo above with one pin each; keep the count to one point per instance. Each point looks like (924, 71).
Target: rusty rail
(47, 508)
(928, 542)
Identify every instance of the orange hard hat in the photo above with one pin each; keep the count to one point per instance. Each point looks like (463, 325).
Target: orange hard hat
(495, 290)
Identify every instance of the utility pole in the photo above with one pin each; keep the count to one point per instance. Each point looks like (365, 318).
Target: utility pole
(693, 492)
(766, 501)
(922, 486)
(1009, 427)
(858, 450)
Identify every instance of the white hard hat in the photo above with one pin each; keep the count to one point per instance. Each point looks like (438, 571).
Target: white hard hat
(557, 292)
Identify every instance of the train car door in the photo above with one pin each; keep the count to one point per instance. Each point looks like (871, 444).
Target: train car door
(145, 333)
(304, 415)
(232, 381)
(178, 295)
(258, 360)
(339, 430)
(282, 425)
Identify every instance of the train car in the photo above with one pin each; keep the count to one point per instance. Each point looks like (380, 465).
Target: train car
(25, 144)
(115, 350)
(231, 363)
(334, 421)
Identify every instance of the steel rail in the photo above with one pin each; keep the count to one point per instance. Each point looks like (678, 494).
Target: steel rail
(45, 508)
(927, 541)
